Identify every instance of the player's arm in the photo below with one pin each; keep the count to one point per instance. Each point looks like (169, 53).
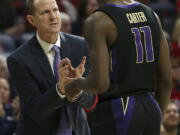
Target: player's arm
(164, 73)
(95, 31)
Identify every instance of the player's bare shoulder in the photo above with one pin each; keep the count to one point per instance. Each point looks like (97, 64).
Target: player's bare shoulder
(101, 24)
(96, 21)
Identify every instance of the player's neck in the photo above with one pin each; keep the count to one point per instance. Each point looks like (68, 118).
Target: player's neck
(121, 2)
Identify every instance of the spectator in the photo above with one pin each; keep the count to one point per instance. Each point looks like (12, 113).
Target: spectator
(166, 12)
(7, 117)
(65, 23)
(86, 7)
(68, 6)
(11, 25)
(170, 120)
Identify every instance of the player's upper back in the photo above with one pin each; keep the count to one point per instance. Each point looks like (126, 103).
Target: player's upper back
(134, 54)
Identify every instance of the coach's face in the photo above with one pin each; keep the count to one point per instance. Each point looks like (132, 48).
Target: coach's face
(46, 17)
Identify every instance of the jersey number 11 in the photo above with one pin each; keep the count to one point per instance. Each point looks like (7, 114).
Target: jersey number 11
(148, 46)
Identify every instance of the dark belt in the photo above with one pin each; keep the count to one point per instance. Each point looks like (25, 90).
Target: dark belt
(104, 97)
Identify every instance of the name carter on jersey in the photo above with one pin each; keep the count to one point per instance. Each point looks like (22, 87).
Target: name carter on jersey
(137, 17)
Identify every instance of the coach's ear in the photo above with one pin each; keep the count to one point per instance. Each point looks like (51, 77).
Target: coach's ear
(31, 20)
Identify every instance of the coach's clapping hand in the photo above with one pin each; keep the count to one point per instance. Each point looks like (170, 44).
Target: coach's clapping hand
(72, 92)
(63, 71)
(66, 74)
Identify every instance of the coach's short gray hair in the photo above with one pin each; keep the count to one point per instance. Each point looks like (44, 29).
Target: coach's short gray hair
(30, 6)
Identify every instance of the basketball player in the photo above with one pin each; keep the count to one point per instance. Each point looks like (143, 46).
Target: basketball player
(130, 62)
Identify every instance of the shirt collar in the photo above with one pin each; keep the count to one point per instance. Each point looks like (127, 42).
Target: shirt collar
(47, 46)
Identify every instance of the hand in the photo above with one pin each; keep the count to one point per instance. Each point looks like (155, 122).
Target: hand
(79, 70)
(63, 71)
(74, 98)
(67, 74)
(72, 92)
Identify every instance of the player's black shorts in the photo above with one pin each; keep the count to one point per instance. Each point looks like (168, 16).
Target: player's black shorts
(134, 115)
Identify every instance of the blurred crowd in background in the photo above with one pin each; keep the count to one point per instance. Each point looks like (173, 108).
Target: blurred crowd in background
(14, 31)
